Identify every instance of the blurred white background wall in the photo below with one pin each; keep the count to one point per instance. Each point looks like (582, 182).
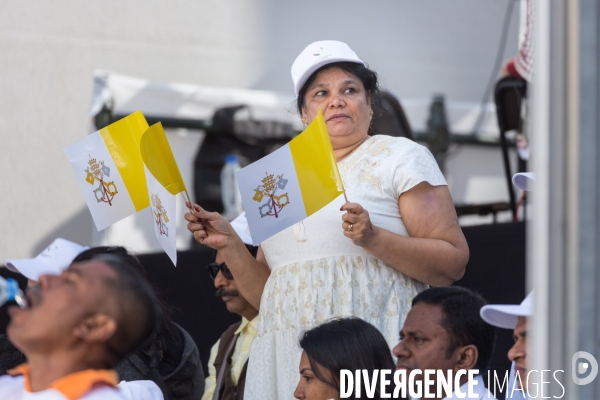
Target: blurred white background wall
(49, 50)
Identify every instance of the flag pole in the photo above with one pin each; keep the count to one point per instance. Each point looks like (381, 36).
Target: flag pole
(188, 199)
(335, 161)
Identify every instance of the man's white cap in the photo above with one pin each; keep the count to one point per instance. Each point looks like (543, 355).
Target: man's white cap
(57, 257)
(524, 180)
(240, 226)
(507, 315)
(317, 54)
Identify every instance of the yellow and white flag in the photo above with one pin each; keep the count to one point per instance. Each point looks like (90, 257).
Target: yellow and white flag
(291, 183)
(164, 183)
(109, 170)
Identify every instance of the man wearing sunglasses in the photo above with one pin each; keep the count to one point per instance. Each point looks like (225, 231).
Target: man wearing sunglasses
(229, 356)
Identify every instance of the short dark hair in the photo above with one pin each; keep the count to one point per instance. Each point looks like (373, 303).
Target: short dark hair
(345, 343)
(367, 76)
(137, 315)
(120, 251)
(253, 250)
(462, 320)
(164, 309)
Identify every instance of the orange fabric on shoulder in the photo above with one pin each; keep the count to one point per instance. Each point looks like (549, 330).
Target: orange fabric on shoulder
(75, 385)
(22, 369)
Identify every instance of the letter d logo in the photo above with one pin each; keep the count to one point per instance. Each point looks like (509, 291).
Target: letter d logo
(580, 368)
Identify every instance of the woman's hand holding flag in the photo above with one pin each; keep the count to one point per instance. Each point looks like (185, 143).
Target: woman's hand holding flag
(209, 228)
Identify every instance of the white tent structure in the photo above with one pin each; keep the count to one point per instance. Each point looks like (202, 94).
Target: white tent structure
(474, 173)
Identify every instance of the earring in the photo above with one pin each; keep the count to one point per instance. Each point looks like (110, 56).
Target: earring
(304, 121)
(371, 117)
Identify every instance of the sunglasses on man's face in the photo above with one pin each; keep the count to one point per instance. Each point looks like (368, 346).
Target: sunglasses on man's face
(214, 268)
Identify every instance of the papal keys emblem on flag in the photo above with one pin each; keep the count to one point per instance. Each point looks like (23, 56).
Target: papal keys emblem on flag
(109, 160)
(161, 219)
(97, 171)
(274, 202)
(302, 178)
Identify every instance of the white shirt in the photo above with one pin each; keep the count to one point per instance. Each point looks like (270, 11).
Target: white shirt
(479, 389)
(140, 390)
(13, 388)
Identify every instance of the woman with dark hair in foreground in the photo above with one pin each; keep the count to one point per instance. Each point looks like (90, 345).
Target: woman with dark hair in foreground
(347, 343)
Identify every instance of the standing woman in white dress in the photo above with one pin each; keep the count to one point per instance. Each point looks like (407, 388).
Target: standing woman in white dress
(366, 258)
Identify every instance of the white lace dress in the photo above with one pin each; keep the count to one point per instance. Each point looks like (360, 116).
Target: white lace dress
(317, 273)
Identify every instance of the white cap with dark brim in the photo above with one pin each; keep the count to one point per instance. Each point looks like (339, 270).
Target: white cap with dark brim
(56, 258)
(524, 180)
(318, 54)
(507, 315)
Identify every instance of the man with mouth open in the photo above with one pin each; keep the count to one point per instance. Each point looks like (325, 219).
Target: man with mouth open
(229, 356)
(78, 326)
(443, 331)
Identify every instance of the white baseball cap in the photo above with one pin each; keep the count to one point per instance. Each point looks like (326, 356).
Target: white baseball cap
(56, 258)
(240, 226)
(507, 315)
(317, 54)
(524, 180)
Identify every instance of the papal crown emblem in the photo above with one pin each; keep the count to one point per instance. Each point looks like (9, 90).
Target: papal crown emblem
(274, 202)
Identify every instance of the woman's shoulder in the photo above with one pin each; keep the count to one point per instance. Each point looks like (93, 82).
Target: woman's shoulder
(384, 153)
(395, 141)
(400, 146)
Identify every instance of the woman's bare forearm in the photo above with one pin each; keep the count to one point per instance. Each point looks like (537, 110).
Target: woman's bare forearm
(435, 262)
(249, 273)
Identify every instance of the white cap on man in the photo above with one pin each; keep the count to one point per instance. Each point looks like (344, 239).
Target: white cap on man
(240, 226)
(524, 180)
(56, 258)
(318, 54)
(507, 315)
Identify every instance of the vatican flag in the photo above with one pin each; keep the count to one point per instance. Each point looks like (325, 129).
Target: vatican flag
(291, 183)
(164, 183)
(109, 170)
